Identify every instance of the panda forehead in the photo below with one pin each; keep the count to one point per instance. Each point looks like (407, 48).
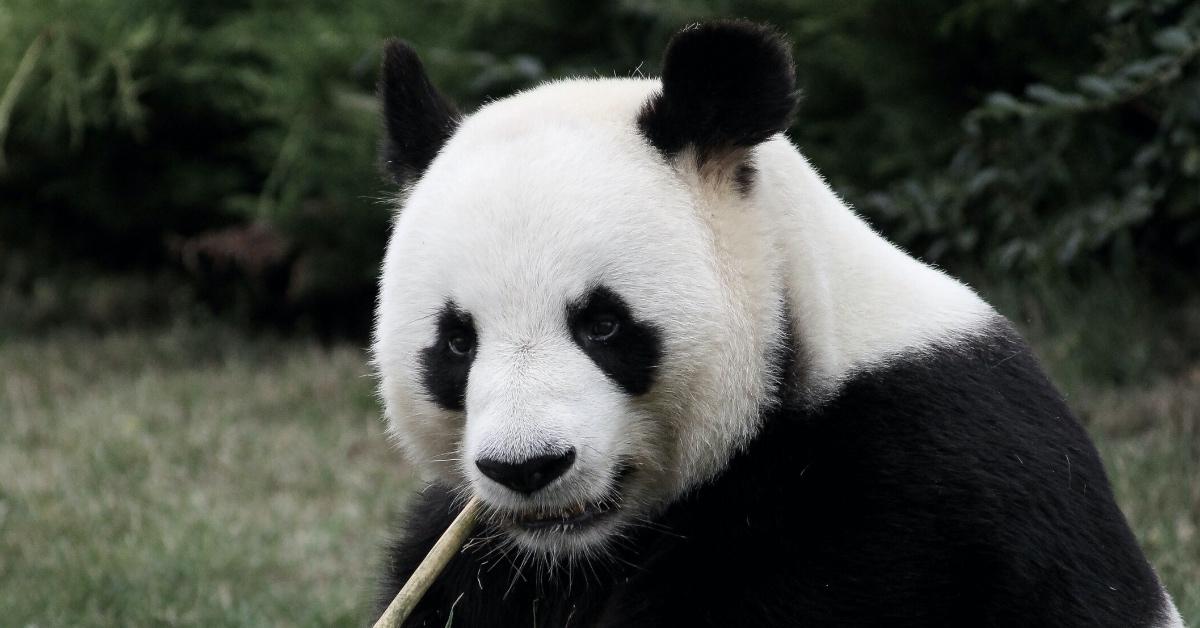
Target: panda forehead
(549, 213)
(572, 130)
(536, 197)
(526, 262)
(571, 102)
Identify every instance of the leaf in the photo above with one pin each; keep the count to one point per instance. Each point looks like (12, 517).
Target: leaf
(1003, 103)
(1147, 155)
(1118, 10)
(1070, 248)
(1191, 162)
(1046, 94)
(981, 180)
(1174, 39)
(141, 36)
(1139, 70)
(1010, 254)
(1097, 86)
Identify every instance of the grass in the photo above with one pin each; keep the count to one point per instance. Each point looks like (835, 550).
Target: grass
(1150, 440)
(197, 476)
(189, 477)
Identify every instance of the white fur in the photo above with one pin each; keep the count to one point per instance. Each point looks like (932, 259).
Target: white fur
(541, 196)
(857, 300)
(1171, 616)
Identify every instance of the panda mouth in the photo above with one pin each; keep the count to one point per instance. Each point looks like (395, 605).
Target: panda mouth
(577, 516)
(572, 518)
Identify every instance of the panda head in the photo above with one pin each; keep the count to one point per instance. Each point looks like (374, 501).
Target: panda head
(580, 318)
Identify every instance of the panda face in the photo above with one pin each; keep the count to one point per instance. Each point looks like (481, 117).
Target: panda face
(557, 330)
(581, 310)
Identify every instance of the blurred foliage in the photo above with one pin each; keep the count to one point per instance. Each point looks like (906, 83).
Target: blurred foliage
(232, 142)
(1103, 166)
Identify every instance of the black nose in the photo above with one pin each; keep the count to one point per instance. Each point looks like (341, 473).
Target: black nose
(528, 475)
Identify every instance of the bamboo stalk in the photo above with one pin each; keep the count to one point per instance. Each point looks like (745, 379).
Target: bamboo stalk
(435, 561)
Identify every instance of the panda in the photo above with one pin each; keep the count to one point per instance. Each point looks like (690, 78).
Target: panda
(691, 387)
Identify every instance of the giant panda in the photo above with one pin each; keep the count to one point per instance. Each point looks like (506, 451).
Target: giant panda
(693, 388)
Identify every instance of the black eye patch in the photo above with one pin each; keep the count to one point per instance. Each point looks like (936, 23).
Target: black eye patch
(627, 350)
(446, 363)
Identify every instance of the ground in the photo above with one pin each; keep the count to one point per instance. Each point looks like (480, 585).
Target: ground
(194, 475)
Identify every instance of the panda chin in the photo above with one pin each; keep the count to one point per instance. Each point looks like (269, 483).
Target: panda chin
(572, 534)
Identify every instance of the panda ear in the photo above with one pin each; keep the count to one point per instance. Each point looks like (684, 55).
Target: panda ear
(726, 86)
(417, 118)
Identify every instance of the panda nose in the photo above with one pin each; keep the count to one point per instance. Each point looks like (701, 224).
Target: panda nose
(530, 474)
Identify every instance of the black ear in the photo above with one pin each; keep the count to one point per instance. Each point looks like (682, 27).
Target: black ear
(726, 85)
(417, 118)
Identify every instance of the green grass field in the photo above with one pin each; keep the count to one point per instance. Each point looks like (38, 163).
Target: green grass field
(198, 476)
(189, 477)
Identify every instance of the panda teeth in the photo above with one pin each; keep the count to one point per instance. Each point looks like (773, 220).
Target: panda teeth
(567, 513)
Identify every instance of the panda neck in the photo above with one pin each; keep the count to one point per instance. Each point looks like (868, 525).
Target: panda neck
(857, 301)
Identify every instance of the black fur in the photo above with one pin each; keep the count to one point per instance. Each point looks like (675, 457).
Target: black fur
(417, 118)
(953, 489)
(743, 178)
(443, 371)
(630, 358)
(726, 85)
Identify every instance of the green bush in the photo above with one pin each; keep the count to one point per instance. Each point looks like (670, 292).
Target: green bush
(232, 144)
(1097, 169)
(154, 133)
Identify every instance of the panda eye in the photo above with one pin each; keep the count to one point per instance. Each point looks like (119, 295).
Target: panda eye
(602, 328)
(460, 343)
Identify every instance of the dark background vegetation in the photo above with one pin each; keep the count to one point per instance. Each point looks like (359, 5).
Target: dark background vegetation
(213, 162)
(224, 151)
